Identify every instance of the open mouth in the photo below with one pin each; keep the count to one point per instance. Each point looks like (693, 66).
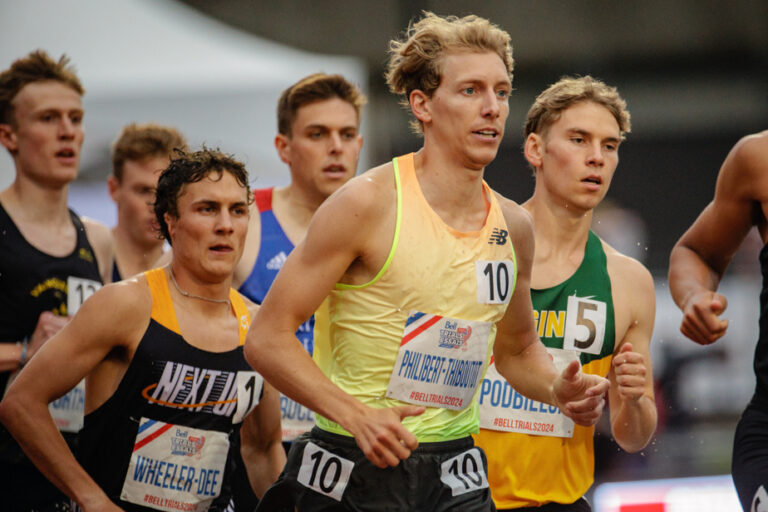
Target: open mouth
(593, 179)
(490, 133)
(221, 248)
(66, 153)
(335, 170)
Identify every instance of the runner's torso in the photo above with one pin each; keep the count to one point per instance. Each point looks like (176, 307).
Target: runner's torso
(161, 441)
(761, 350)
(535, 454)
(274, 248)
(422, 330)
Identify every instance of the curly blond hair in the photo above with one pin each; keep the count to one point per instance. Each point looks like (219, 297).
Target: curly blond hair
(415, 62)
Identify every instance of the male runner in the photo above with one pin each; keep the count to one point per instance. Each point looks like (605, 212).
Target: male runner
(421, 260)
(167, 384)
(696, 266)
(590, 303)
(51, 260)
(318, 121)
(139, 155)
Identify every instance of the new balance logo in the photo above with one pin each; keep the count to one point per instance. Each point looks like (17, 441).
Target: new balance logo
(498, 237)
(276, 263)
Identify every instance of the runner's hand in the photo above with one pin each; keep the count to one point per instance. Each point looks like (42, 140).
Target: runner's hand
(701, 318)
(629, 369)
(48, 324)
(381, 435)
(579, 395)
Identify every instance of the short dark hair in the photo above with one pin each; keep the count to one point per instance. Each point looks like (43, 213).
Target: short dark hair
(139, 142)
(38, 66)
(312, 88)
(190, 168)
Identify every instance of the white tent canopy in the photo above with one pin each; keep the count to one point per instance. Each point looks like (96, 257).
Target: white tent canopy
(153, 60)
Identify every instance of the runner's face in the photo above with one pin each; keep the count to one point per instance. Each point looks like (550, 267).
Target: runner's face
(467, 112)
(134, 196)
(210, 231)
(580, 154)
(48, 133)
(324, 146)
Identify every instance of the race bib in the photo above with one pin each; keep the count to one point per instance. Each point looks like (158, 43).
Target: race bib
(440, 361)
(295, 418)
(464, 473)
(175, 468)
(78, 291)
(584, 325)
(324, 471)
(69, 410)
(495, 281)
(249, 389)
(503, 408)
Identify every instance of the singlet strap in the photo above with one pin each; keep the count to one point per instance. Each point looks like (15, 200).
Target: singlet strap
(263, 199)
(164, 314)
(162, 305)
(407, 162)
(241, 313)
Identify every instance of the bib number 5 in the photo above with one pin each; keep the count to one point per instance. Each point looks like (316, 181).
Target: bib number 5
(584, 325)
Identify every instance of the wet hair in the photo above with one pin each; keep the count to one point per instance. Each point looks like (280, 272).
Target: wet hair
(193, 167)
(568, 91)
(140, 142)
(313, 88)
(415, 62)
(38, 66)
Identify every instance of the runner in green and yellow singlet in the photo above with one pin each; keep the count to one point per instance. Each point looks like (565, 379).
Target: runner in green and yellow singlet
(590, 303)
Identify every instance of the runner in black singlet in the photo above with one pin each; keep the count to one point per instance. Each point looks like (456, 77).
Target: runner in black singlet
(697, 264)
(167, 382)
(51, 261)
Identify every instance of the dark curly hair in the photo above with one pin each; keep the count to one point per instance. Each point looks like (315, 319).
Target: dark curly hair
(190, 168)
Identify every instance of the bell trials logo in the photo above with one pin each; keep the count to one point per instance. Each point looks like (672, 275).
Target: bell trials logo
(453, 336)
(184, 444)
(498, 236)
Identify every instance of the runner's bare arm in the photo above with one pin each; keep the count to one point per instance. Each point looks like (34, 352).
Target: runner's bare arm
(632, 404)
(62, 362)
(262, 447)
(100, 239)
(699, 259)
(342, 231)
(519, 354)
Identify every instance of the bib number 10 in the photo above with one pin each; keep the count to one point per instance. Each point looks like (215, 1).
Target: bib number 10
(495, 281)
(324, 471)
(464, 473)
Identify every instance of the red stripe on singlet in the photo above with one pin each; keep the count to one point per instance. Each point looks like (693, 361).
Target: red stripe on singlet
(151, 438)
(423, 327)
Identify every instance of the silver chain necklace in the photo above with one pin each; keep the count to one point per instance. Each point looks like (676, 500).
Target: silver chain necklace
(192, 295)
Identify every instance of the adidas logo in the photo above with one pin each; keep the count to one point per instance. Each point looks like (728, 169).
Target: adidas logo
(277, 261)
